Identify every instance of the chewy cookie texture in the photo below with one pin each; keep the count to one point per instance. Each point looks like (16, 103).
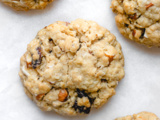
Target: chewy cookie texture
(138, 20)
(72, 67)
(140, 116)
(24, 5)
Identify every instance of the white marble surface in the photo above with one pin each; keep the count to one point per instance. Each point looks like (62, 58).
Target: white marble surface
(138, 91)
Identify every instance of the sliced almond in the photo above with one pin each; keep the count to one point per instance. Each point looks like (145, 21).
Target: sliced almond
(62, 96)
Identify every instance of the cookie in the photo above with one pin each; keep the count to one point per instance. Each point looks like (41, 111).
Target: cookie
(72, 67)
(140, 116)
(138, 20)
(25, 5)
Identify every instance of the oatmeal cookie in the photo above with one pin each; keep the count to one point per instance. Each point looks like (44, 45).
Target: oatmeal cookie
(25, 5)
(140, 116)
(138, 20)
(72, 67)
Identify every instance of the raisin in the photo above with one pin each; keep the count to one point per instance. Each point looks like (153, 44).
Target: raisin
(83, 109)
(143, 32)
(79, 47)
(50, 39)
(126, 25)
(91, 100)
(75, 106)
(103, 80)
(39, 51)
(81, 93)
(37, 62)
(50, 51)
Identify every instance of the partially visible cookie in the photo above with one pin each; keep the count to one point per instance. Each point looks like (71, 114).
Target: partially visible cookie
(72, 67)
(140, 116)
(139, 20)
(25, 5)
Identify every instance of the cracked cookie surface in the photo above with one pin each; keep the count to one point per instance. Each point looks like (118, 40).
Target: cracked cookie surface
(140, 116)
(24, 5)
(72, 67)
(138, 20)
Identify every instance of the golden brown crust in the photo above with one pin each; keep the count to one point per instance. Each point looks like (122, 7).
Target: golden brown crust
(138, 20)
(140, 116)
(24, 5)
(72, 67)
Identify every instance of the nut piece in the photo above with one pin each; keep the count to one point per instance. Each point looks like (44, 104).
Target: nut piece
(40, 96)
(149, 5)
(133, 32)
(62, 96)
(28, 60)
(29, 64)
(134, 16)
(110, 53)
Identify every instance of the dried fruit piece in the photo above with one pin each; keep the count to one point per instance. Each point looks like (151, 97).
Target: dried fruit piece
(35, 63)
(149, 5)
(50, 40)
(142, 34)
(103, 80)
(63, 94)
(40, 96)
(81, 93)
(83, 109)
(79, 47)
(126, 25)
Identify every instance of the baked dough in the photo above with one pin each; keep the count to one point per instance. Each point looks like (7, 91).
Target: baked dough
(71, 67)
(25, 5)
(140, 116)
(138, 20)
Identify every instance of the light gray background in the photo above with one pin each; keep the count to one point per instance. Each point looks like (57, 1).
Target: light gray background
(138, 91)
